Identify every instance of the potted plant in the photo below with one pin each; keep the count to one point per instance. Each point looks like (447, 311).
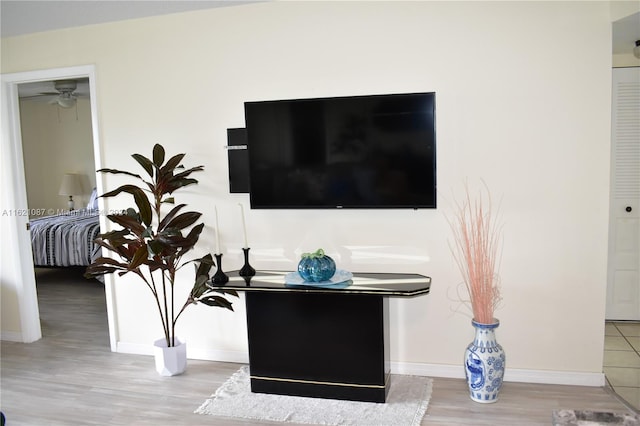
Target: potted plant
(476, 251)
(151, 243)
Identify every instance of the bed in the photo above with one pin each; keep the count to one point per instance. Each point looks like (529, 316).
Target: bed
(66, 239)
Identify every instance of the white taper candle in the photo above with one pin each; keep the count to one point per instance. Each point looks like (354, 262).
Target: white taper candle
(244, 226)
(217, 232)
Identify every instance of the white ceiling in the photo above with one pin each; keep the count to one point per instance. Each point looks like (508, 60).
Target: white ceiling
(625, 32)
(45, 91)
(19, 17)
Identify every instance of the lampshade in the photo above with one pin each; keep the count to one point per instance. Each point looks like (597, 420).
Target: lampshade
(71, 185)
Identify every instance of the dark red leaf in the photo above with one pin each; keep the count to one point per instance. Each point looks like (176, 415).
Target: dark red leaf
(158, 155)
(145, 163)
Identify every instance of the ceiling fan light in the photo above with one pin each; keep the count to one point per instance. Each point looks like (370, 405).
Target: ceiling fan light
(66, 102)
(636, 50)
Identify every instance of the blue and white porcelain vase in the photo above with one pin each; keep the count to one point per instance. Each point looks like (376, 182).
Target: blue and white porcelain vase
(484, 362)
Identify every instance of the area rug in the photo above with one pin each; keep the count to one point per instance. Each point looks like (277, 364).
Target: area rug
(406, 404)
(593, 418)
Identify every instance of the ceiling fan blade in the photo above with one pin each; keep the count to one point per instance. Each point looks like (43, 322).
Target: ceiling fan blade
(40, 95)
(33, 97)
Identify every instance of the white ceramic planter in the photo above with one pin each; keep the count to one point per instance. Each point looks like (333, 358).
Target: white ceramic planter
(170, 361)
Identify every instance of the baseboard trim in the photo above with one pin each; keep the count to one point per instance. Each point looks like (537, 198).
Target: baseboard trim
(516, 375)
(574, 378)
(548, 377)
(11, 336)
(238, 357)
(134, 348)
(241, 357)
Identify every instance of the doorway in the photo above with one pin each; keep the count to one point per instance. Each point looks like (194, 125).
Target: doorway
(623, 276)
(621, 361)
(23, 277)
(57, 147)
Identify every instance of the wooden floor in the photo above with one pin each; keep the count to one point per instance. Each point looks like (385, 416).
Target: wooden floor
(70, 377)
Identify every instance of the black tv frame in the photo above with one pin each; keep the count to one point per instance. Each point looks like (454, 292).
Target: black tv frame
(430, 204)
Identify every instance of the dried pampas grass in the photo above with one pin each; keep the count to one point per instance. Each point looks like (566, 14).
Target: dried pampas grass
(477, 248)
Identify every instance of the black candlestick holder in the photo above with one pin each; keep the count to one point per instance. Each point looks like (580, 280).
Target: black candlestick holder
(219, 277)
(247, 270)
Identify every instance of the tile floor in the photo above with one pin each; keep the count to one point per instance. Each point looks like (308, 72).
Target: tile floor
(622, 359)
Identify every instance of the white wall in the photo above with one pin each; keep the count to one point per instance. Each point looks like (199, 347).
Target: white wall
(526, 110)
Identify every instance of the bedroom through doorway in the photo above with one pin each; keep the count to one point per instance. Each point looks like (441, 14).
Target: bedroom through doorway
(58, 151)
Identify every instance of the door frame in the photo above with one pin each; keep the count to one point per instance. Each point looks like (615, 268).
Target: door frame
(612, 311)
(12, 140)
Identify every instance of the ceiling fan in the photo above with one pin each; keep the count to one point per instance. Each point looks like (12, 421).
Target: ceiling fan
(65, 93)
(66, 97)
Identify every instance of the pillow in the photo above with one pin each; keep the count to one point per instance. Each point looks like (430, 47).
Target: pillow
(93, 200)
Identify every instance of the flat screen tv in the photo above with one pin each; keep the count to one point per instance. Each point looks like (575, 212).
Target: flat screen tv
(375, 151)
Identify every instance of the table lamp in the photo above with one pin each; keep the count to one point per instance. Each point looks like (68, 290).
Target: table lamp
(70, 186)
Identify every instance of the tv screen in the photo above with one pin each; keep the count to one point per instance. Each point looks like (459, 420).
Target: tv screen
(375, 151)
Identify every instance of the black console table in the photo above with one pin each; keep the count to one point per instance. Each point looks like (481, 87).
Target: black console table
(318, 341)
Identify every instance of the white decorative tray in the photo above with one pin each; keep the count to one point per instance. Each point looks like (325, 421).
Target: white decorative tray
(340, 277)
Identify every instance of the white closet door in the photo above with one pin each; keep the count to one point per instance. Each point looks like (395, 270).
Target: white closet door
(623, 280)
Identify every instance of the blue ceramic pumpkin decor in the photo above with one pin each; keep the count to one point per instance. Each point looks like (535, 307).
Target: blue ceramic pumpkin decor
(316, 267)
